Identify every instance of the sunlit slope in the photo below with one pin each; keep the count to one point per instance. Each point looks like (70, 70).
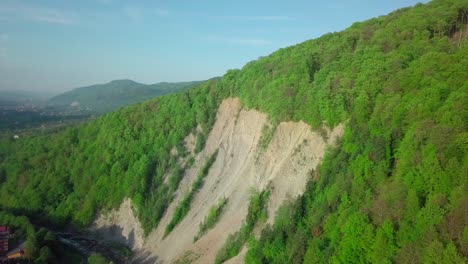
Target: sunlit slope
(393, 189)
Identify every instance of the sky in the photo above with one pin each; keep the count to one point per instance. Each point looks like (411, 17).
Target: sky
(58, 45)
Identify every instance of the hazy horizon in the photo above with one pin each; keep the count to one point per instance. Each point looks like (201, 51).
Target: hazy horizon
(51, 93)
(56, 46)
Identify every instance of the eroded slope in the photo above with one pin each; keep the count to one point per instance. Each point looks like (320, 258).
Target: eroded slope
(242, 165)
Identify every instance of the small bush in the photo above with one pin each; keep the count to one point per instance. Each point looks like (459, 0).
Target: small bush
(184, 206)
(212, 217)
(267, 135)
(257, 213)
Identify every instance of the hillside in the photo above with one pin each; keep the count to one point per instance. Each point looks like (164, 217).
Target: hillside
(102, 98)
(349, 148)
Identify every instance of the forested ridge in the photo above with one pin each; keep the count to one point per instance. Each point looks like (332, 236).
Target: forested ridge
(394, 189)
(104, 98)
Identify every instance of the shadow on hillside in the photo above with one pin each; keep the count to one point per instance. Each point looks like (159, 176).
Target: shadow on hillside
(115, 233)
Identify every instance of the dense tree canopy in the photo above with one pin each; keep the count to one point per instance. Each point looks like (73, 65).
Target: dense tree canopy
(65, 177)
(394, 189)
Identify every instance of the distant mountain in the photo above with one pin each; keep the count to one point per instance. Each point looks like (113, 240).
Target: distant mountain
(103, 98)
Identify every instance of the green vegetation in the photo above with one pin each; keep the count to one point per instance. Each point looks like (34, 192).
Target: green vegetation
(66, 177)
(102, 98)
(257, 214)
(97, 258)
(267, 135)
(38, 242)
(184, 206)
(200, 142)
(211, 219)
(393, 190)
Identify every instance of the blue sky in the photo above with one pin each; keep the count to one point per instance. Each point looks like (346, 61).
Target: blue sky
(57, 45)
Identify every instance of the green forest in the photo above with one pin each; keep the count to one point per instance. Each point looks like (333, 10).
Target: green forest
(394, 189)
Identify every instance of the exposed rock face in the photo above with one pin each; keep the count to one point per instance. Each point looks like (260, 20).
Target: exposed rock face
(285, 165)
(120, 225)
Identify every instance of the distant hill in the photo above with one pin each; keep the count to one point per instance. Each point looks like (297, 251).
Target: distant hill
(103, 98)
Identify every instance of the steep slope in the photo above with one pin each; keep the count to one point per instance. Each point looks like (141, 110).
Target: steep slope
(393, 189)
(110, 96)
(242, 165)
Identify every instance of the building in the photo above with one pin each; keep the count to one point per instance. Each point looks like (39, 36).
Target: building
(17, 252)
(4, 236)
